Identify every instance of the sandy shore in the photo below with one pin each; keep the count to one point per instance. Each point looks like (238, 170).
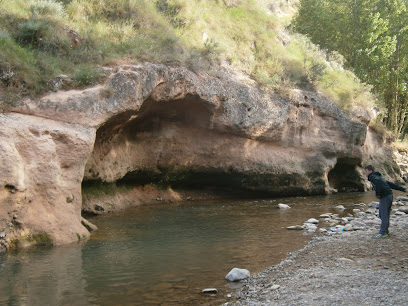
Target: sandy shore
(347, 268)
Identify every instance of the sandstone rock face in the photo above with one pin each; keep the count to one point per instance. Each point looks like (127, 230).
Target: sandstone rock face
(156, 124)
(42, 165)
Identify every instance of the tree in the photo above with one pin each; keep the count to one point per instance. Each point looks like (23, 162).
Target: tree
(373, 38)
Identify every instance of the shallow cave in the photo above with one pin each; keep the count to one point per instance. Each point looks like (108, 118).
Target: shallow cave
(145, 127)
(344, 176)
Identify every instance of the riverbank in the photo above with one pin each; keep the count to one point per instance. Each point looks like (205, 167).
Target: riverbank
(346, 268)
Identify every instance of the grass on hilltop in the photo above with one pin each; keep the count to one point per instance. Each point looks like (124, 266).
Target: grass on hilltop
(37, 43)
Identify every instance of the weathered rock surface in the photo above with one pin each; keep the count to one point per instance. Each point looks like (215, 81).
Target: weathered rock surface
(42, 165)
(156, 124)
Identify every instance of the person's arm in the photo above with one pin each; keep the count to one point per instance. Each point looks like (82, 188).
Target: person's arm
(396, 187)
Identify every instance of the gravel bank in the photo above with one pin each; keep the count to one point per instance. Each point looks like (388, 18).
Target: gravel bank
(345, 268)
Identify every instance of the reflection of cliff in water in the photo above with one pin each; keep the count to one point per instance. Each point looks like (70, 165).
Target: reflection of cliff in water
(43, 276)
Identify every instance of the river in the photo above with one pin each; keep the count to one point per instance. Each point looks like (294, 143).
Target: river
(165, 253)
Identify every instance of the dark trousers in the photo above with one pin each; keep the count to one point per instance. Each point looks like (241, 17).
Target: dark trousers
(385, 210)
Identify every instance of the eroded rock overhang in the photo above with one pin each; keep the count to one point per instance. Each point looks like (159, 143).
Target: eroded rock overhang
(182, 129)
(156, 124)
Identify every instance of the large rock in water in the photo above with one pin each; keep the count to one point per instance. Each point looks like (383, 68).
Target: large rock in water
(153, 123)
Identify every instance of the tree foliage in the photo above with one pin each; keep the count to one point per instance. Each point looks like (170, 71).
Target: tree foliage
(372, 35)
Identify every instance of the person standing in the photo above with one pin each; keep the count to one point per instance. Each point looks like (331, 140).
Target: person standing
(383, 191)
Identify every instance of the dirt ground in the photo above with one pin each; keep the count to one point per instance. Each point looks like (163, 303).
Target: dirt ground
(348, 268)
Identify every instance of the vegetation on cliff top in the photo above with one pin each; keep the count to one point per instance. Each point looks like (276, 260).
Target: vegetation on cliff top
(41, 39)
(372, 35)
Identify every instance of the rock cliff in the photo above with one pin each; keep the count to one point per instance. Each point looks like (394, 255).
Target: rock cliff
(171, 127)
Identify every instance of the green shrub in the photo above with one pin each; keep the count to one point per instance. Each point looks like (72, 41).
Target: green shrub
(46, 8)
(32, 32)
(18, 69)
(87, 75)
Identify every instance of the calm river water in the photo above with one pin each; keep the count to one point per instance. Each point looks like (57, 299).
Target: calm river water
(164, 254)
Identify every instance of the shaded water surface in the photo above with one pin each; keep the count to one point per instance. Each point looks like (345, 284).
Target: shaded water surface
(164, 254)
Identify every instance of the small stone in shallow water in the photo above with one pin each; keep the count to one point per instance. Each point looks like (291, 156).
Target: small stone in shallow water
(340, 207)
(295, 227)
(325, 215)
(312, 220)
(209, 290)
(283, 206)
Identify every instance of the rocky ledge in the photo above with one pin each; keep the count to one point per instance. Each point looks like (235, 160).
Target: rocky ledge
(154, 125)
(339, 268)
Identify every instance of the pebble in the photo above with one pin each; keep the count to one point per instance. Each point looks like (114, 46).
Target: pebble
(325, 215)
(209, 290)
(312, 220)
(343, 259)
(295, 227)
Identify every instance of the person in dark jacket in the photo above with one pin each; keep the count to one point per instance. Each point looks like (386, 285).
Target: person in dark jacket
(383, 191)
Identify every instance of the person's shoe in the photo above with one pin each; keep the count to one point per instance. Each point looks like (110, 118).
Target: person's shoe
(381, 236)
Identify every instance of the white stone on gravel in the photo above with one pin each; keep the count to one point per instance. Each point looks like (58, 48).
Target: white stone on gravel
(348, 227)
(341, 207)
(374, 204)
(375, 221)
(404, 208)
(295, 227)
(283, 206)
(327, 215)
(345, 220)
(343, 259)
(312, 220)
(358, 225)
(237, 274)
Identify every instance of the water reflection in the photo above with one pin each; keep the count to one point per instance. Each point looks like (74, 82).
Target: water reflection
(163, 253)
(43, 277)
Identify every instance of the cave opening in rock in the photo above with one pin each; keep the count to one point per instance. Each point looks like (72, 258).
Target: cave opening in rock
(165, 143)
(344, 177)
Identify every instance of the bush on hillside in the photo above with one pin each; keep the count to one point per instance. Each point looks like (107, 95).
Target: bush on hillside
(246, 36)
(47, 8)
